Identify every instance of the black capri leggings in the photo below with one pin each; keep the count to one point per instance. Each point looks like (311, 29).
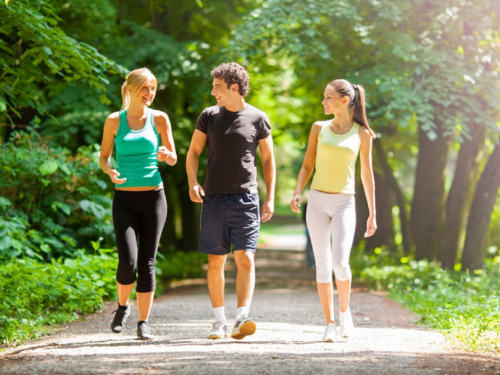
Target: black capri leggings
(138, 216)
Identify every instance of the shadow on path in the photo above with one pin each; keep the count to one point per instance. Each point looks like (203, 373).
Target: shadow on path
(288, 338)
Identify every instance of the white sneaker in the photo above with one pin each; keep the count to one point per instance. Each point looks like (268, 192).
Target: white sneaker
(346, 324)
(243, 327)
(219, 330)
(330, 333)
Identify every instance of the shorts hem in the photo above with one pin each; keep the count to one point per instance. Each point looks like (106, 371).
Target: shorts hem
(214, 252)
(253, 249)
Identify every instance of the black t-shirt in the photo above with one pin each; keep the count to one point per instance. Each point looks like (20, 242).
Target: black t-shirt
(232, 139)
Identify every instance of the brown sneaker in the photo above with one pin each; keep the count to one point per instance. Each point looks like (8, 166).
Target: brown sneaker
(242, 328)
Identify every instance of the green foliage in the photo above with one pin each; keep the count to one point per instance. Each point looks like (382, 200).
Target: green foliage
(494, 232)
(36, 295)
(181, 265)
(36, 54)
(409, 56)
(361, 260)
(465, 307)
(51, 203)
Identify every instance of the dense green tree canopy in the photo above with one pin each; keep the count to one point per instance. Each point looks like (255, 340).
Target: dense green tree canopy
(430, 71)
(38, 57)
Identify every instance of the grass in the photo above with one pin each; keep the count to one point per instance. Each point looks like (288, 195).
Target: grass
(464, 306)
(35, 296)
(181, 265)
(271, 229)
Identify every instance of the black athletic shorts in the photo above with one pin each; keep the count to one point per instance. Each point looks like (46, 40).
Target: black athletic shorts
(229, 219)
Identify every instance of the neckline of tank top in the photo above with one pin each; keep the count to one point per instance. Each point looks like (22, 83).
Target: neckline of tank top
(148, 111)
(237, 112)
(341, 135)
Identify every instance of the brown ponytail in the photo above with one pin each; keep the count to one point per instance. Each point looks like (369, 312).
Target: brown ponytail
(356, 94)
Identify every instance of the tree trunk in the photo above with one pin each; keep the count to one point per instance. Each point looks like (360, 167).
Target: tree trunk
(398, 194)
(3, 129)
(384, 201)
(476, 239)
(427, 212)
(190, 211)
(362, 213)
(190, 220)
(461, 193)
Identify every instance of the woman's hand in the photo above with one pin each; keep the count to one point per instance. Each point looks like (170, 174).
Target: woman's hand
(295, 202)
(163, 153)
(114, 177)
(371, 226)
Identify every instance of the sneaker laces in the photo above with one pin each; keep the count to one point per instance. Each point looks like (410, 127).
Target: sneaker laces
(346, 318)
(119, 316)
(218, 325)
(144, 326)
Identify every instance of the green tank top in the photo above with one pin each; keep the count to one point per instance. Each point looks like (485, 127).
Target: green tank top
(336, 160)
(136, 152)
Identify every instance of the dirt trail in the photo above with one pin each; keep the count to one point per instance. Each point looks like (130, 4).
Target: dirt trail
(288, 338)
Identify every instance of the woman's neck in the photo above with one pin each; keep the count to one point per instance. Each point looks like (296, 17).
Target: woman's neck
(342, 121)
(136, 111)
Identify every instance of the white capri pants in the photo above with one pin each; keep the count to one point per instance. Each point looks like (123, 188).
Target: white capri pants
(331, 217)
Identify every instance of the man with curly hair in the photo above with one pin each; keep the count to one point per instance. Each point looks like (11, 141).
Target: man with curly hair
(232, 130)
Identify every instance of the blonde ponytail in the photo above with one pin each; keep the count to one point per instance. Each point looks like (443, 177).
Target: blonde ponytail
(134, 82)
(125, 96)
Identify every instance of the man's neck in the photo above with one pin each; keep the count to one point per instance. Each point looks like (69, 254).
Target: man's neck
(236, 105)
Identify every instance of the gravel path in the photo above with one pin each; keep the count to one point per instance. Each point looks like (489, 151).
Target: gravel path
(288, 338)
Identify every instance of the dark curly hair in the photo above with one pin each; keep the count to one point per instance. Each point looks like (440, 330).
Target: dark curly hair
(233, 73)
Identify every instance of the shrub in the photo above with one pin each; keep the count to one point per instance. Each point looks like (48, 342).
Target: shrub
(466, 307)
(51, 203)
(35, 295)
(181, 265)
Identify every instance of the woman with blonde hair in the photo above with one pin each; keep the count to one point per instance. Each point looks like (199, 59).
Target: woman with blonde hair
(143, 137)
(332, 149)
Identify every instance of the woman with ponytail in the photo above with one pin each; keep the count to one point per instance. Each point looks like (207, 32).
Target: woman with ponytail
(143, 137)
(332, 149)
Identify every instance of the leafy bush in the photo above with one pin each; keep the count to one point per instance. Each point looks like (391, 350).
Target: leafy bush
(181, 265)
(34, 295)
(379, 257)
(466, 307)
(51, 203)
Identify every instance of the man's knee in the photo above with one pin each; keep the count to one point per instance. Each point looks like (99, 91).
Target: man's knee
(244, 260)
(216, 262)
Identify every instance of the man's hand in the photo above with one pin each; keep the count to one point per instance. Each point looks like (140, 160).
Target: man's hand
(195, 193)
(267, 210)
